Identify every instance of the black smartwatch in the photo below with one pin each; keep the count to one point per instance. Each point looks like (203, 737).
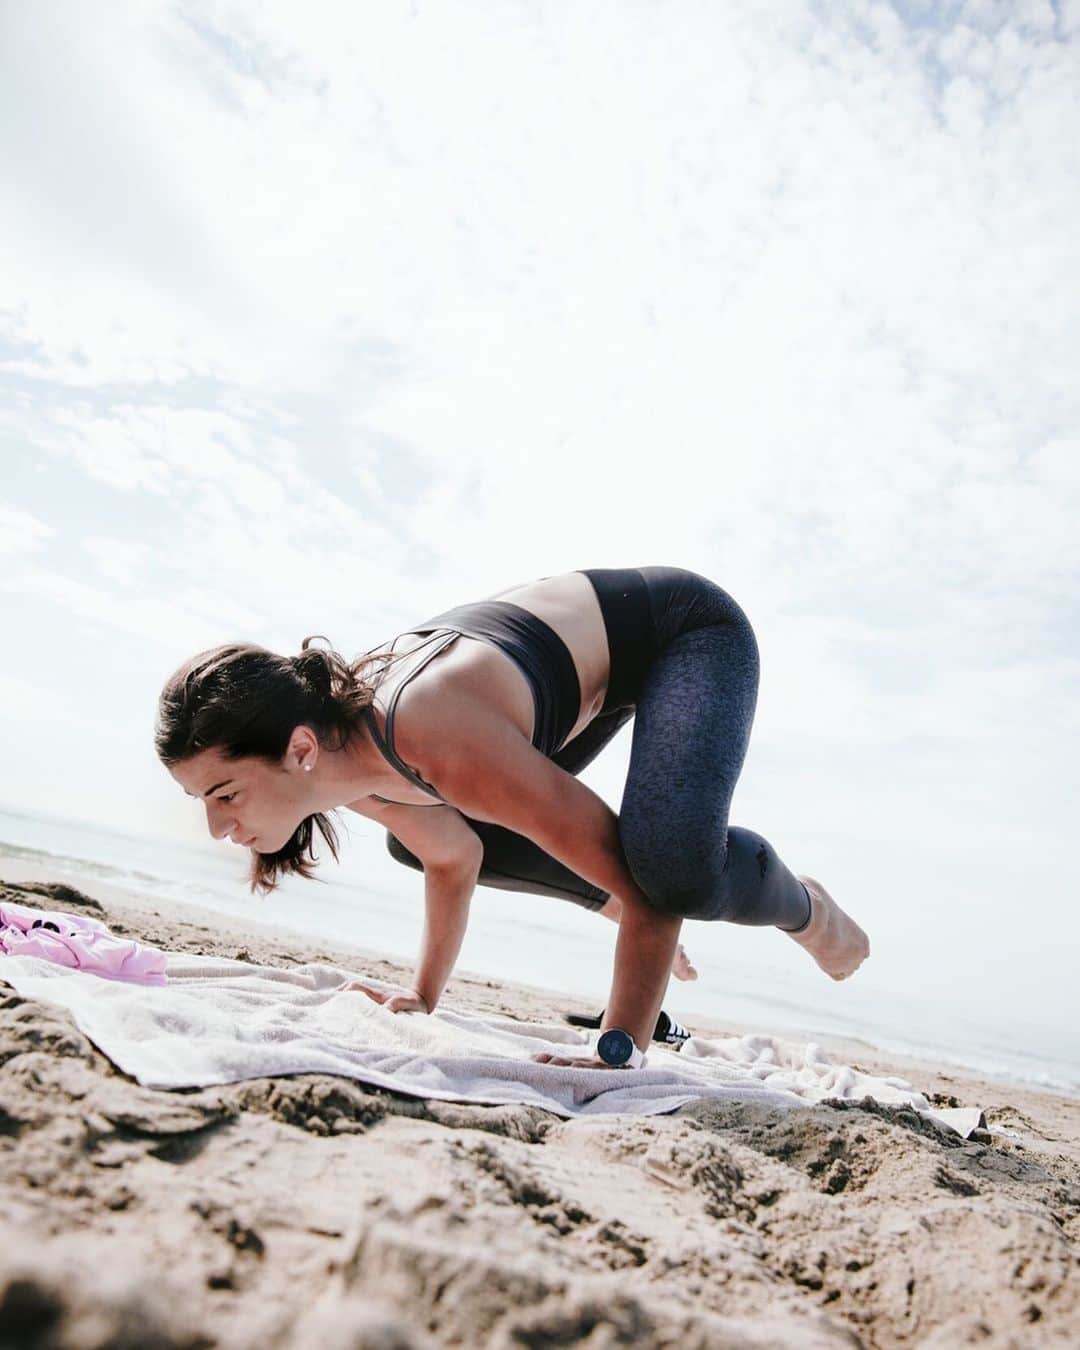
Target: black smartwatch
(616, 1047)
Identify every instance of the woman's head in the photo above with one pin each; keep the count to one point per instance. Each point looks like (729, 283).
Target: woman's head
(241, 728)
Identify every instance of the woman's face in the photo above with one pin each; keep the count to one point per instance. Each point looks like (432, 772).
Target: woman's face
(255, 804)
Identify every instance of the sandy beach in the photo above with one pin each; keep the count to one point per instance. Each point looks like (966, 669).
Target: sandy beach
(313, 1210)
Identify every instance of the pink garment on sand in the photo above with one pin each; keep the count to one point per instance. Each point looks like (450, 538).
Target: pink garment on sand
(81, 943)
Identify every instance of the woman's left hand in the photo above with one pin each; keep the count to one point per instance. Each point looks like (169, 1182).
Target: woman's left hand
(594, 1063)
(393, 1002)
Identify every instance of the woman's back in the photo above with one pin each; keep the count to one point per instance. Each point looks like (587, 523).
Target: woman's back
(566, 604)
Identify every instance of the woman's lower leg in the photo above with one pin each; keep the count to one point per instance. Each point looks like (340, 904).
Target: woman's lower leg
(757, 888)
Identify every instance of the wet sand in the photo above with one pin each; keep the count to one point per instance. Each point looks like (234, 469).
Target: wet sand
(317, 1211)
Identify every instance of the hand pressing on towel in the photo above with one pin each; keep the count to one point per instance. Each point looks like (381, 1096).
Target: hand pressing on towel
(595, 1062)
(395, 1003)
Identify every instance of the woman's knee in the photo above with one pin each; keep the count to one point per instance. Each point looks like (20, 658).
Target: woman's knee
(692, 903)
(700, 894)
(748, 883)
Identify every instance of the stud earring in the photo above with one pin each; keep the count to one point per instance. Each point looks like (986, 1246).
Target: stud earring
(307, 768)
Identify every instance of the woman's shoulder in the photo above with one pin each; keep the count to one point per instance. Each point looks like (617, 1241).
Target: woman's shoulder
(453, 729)
(396, 662)
(471, 694)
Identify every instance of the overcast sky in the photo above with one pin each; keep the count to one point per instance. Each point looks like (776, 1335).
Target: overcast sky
(318, 319)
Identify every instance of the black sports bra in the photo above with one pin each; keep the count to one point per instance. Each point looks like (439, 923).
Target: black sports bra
(534, 647)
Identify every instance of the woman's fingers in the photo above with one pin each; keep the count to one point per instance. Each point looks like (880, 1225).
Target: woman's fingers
(391, 1001)
(379, 995)
(594, 1063)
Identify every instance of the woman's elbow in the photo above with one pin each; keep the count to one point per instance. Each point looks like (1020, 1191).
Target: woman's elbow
(466, 861)
(466, 856)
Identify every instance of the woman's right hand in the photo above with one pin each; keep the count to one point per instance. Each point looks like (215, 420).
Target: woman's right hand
(409, 1001)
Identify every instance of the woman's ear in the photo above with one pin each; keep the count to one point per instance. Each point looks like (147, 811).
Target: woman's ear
(303, 749)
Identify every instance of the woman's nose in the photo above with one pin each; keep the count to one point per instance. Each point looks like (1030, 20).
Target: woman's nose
(218, 825)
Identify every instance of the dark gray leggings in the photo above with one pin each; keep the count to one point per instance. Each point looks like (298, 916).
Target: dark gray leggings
(692, 717)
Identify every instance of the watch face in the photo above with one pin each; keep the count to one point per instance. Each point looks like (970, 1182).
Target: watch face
(615, 1046)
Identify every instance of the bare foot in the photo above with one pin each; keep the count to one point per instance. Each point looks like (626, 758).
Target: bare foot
(833, 938)
(682, 967)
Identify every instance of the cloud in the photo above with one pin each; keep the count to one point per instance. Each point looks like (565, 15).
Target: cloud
(803, 270)
(117, 560)
(20, 532)
(243, 536)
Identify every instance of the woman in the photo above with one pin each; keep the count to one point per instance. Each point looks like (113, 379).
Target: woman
(463, 737)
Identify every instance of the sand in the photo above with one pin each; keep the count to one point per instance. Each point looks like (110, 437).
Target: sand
(314, 1211)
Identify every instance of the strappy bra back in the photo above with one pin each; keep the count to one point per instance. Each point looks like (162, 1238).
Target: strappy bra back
(534, 647)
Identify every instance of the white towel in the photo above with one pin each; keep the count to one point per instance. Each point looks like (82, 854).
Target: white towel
(219, 1021)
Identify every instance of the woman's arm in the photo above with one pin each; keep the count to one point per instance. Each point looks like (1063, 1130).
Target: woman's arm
(485, 767)
(451, 854)
(682, 967)
(448, 891)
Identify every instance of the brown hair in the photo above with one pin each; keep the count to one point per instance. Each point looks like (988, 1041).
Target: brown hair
(246, 700)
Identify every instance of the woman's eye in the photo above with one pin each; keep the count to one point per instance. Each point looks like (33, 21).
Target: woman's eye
(226, 796)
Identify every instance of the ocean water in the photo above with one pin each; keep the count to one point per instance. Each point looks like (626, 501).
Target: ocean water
(375, 905)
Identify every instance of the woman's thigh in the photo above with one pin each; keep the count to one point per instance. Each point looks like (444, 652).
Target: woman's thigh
(514, 863)
(583, 749)
(692, 728)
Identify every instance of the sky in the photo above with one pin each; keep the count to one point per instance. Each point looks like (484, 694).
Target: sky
(321, 319)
